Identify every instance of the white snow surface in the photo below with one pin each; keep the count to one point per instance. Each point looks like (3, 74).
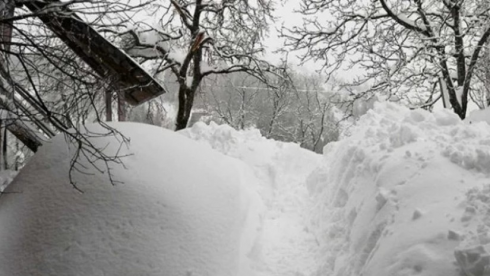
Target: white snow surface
(479, 115)
(181, 210)
(283, 245)
(407, 193)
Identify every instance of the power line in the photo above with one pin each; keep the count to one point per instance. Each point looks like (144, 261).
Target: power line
(262, 88)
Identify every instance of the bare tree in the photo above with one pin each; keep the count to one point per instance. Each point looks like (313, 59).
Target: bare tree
(197, 39)
(297, 109)
(47, 85)
(231, 99)
(316, 123)
(429, 47)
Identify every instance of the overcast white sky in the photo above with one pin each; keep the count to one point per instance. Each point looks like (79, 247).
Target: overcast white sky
(288, 17)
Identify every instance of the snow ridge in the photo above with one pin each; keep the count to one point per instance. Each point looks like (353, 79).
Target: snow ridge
(283, 243)
(393, 200)
(406, 194)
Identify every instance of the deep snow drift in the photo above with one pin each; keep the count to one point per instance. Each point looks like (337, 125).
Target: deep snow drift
(408, 193)
(181, 210)
(283, 245)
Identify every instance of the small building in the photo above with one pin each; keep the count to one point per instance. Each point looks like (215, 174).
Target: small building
(106, 59)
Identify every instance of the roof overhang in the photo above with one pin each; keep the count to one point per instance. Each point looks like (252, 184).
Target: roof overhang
(100, 54)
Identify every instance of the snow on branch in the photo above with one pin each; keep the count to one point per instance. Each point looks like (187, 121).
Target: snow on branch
(403, 20)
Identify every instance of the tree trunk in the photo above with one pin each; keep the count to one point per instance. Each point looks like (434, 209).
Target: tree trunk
(7, 8)
(121, 108)
(2, 160)
(242, 109)
(186, 100)
(17, 156)
(5, 149)
(108, 106)
(486, 82)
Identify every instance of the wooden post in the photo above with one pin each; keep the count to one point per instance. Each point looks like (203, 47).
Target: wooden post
(25, 133)
(5, 148)
(2, 160)
(121, 108)
(7, 8)
(486, 74)
(17, 156)
(19, 129)
(108, 106)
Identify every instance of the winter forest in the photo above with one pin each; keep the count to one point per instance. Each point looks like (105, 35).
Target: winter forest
(245, 137)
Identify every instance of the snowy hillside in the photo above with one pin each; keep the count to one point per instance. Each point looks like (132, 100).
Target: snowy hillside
(408, 193)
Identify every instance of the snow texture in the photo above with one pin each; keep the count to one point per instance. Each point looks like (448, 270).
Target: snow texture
(283, 244)
(417, 23)
(181, 210)
(406, 194)
(153, 38)
(479, 115)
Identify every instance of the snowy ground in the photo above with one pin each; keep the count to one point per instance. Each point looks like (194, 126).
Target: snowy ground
(404, 195)
(283, 244)
(408, 193)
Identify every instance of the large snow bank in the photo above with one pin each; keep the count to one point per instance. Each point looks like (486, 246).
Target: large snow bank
(283, 244)
(407, 194)
(181, 210)
(184, 208)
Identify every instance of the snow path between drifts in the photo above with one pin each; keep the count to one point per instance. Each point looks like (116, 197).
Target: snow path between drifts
(284, 243)
(407, 194)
